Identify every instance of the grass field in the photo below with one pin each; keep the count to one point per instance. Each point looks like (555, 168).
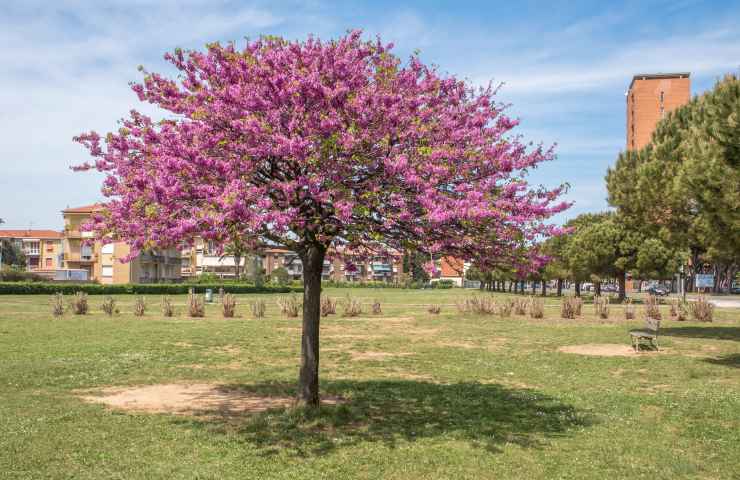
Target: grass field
(424, 396)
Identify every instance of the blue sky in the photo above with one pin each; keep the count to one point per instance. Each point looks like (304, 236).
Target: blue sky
(565, 65)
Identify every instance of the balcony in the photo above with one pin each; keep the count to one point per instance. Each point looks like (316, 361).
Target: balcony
(76, 233)
(381, 268)
(77, 258)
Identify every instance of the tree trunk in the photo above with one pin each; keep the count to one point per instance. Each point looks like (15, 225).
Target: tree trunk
(237, 266)
(560, 287)
(510, 286)
(308, 379)
(544, 288)
(622, 286)
(578, 289)
(597, 289)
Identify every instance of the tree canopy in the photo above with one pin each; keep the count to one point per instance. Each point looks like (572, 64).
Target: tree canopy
(312, 144)
(684, 187)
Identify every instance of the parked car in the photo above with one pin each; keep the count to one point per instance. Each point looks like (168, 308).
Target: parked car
(609, 287)
(658, 290)
(587, 287)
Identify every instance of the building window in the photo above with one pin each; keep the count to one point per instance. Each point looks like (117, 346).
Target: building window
(107, 271)
(107, 248)
(31, 248)
(86, 252)
(49, 263)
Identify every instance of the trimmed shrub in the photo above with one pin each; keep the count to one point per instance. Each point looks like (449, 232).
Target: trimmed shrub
(536, 307)
(443, 284)
(652, 309)
(109, 306)
(702, 310)
(57, 304)
(376, 307)
(568, 307)
(629, 309)
(520, 306)
(139, 306)
(480, 305)
(228, 305)
(196, 305)
(79, 304)
(505, 308)
(328, 306)
(13, 274)
(168, 310)
(289, 306)
(682, 311)
(577, 305)
(351, 307)
(601, 307)
(50, 288)
(258, 308)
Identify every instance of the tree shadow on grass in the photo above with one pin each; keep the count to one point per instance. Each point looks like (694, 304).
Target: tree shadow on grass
(715, 333)
(387, 411)
(732, 360)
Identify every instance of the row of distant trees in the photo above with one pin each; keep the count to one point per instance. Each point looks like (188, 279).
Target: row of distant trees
(676, 203)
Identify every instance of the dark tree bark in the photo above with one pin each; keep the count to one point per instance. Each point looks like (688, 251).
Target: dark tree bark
(237, 266)
(544, 288)
(308, 379)
(516, 287)
(560, 287)
(597, 289)
(510, 285)
(578, 289)
(622, 286)
(534, 287)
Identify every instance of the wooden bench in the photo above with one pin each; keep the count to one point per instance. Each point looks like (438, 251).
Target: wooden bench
(649, 333)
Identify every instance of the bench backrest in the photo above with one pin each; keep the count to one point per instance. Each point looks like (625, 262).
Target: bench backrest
(652, 324)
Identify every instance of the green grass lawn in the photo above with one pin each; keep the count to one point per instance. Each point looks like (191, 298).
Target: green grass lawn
(426, 396)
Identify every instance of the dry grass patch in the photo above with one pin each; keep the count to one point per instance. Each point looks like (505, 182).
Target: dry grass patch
(194, 399)
(601, 350)
(363, 356)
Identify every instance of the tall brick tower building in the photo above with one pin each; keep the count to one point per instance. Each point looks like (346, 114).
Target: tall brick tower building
(649, 98)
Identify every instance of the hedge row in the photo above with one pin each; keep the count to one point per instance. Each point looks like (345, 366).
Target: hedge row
(37, 288)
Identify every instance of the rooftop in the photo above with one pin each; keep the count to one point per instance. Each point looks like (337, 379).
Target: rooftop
(40, 234)
(658, 76)
(84, 209)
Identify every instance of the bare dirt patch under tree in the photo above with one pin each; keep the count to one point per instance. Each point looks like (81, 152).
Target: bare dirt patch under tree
(192, 399)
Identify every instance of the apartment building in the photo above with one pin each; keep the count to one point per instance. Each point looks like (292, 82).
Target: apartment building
(103, 262)
(42, 248)
(203, 257)
(339, 268)
(649, 98)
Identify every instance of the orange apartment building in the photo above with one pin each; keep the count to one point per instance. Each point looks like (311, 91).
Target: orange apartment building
(42, 248)
(103, 262)
(649, 98)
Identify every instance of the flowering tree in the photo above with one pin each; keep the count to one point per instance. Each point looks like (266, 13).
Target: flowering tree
(312, 144)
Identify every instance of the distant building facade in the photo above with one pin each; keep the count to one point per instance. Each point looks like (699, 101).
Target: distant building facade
(103, 262)
(42, 248)
(203, 257)
(649, 98)
(453, 269)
